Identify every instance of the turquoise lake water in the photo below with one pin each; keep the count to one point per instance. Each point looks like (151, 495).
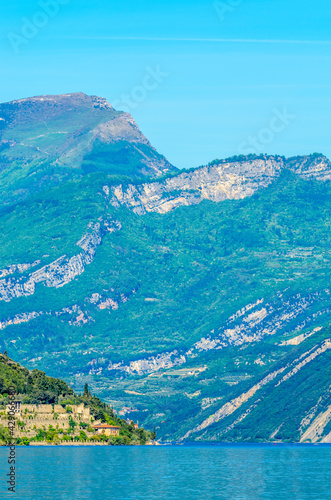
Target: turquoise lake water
(231, 472)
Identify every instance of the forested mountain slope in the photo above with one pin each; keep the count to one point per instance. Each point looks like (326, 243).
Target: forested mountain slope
(199, 298)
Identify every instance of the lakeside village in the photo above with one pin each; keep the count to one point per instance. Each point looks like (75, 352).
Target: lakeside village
(45, 424)
(39, 410)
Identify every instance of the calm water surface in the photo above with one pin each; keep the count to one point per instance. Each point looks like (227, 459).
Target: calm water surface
(230, 472)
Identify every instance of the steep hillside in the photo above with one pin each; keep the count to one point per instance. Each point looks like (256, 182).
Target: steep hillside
(173, 314)
(198, 302)
(47, 139)
(289, 400)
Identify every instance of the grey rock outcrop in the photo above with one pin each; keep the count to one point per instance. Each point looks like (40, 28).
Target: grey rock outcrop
(310, 167)
(251, 324)
(231, 180)
(63, 270)
(151, 364)
(17, 268)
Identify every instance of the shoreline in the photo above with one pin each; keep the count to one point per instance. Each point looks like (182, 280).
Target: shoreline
(216, 444)
(43, 443)
(33, 443)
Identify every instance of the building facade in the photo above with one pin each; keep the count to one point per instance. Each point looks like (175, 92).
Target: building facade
(107, 430)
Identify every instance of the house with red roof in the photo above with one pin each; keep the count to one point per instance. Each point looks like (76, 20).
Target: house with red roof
(107, 430)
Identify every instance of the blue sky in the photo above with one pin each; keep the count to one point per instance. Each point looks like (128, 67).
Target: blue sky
(202, 81)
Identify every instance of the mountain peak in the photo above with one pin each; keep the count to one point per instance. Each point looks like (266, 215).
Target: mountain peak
(47, 107)
(57, 137)
(76, 98)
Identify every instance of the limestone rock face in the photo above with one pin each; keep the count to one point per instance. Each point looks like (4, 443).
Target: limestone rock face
(311, 167)
(251, 324)
(63, 270)
(149, 365)
(217, 182)
(120, 128)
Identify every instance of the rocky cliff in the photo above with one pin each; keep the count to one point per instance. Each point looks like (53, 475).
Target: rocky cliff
(60, 272)
(219, 181)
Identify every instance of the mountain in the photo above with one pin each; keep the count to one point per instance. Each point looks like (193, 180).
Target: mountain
(197, 301)
(45, 140)
(234, 179)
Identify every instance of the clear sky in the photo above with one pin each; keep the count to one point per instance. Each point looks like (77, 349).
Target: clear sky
(203, 79)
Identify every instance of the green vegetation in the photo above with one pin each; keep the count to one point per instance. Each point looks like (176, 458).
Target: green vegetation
(239, 158)
(200, 265)
(277, 411)
(43, 145)
(34, 387)
(158, 286)
(121, 158)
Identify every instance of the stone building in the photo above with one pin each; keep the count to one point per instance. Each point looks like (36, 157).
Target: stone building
(31, 418)
(107, 430)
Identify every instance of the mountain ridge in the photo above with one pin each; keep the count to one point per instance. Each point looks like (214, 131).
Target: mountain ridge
(219, 180)
(182, 299)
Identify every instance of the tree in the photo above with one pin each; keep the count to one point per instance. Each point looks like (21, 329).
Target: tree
(86, 391)
(153, 434)
(83, 436)
(72, 424)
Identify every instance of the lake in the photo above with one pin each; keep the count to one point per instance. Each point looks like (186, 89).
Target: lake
(231, 472)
